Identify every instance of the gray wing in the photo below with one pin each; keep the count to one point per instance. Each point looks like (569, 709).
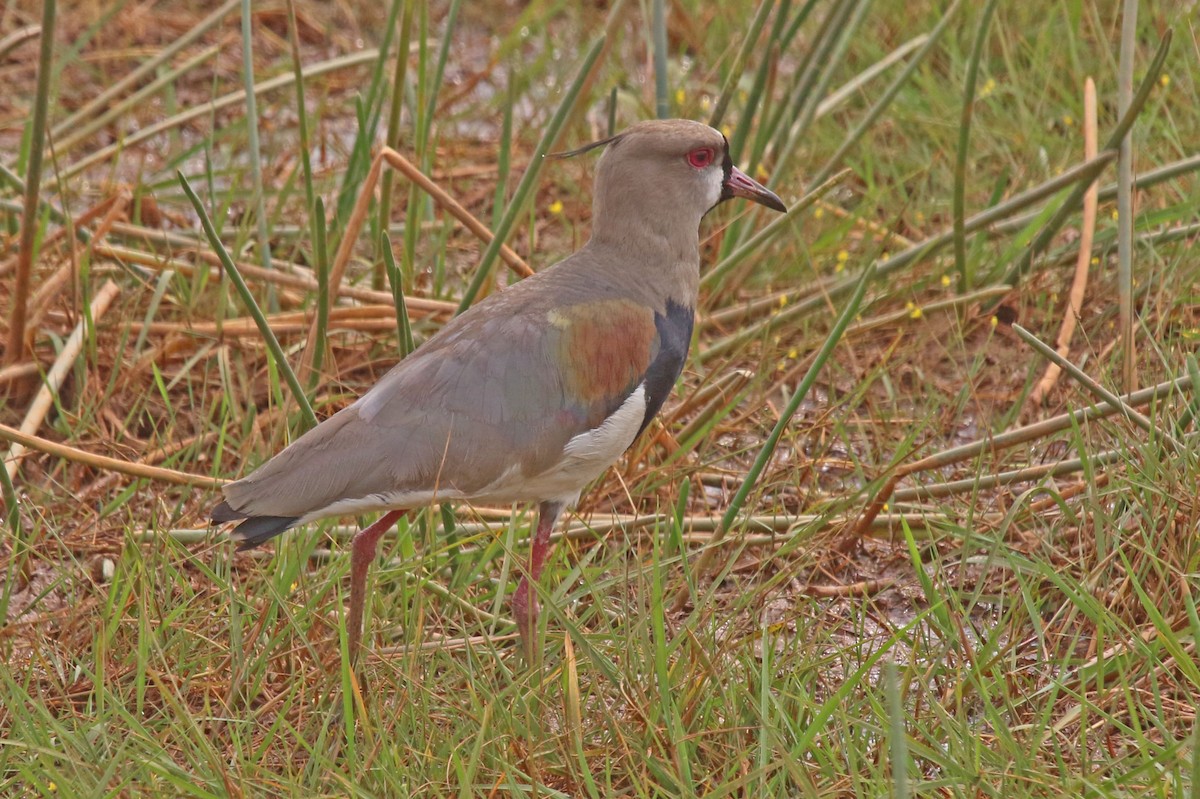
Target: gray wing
(450, 419)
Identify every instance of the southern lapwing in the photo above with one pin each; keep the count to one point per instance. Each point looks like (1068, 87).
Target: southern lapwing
(534, 392)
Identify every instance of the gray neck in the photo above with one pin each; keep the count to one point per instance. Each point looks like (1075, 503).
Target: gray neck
(653, 265)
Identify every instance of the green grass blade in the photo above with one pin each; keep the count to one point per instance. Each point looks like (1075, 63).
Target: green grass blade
(1081, 174)
(321, 251)
(264, 327)
(525, 187)
(17, 344)
(1129, 12)
(885, 100)
(396, 104)
(897, 734)
(810, 377)
(146, 68)
(302, 114)
(403, 326)
(658, 28)
(749, 44)
(259, 200)
(768, 448)
(966, 280)
(1075, 198)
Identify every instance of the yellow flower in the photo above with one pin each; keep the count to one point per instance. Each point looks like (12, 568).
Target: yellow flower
(1115, 215)
(817, 214)
(946, 280)
(728, 131)
(793, 353)
(995, 320)
(842, 257)
(783, 300)
(760, 172)
(1095, 261)
(1165, 80)
(679, 97)
(705, 102)
(989, 86)
(556, 207)
(1068, 120)
(914, 311)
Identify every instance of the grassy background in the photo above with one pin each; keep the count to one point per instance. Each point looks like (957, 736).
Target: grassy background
(990, 634)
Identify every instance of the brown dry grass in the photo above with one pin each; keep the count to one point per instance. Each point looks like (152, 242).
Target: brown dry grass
(1059, 610)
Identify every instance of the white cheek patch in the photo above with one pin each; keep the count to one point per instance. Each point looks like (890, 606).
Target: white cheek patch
(714, 184)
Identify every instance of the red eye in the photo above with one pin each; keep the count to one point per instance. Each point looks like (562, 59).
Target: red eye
(700, 158)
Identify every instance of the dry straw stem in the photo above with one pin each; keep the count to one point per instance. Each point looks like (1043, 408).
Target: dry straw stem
(43, 401)
(135, 77)
(75, 227)
(80, 132)
(17, 38)
(855, 86)
(1000, 442)
(305, 282)
(1091, 200)
(359, 216)
(1027, 474)
(761, 530)
(210, 109)
(804, 305)
(52, 286)
(360, 317)
(19, 371)
(882, 232)
(455, 209)
(572, 702)
(1129, 115)
(1099, 391)
(443, 643)
(31, 442)
(971, 298)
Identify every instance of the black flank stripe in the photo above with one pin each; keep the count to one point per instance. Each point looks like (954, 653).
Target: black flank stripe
(674, 338)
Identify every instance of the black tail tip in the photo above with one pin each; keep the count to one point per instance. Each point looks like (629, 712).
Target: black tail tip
(225, 513)
(254, 530)
(258, 530)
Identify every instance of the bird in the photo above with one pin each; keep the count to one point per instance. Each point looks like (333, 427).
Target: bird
(532, 393)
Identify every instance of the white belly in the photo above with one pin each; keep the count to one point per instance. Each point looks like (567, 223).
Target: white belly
(584, 458)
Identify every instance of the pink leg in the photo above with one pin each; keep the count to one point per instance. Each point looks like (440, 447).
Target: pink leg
(362, 551)
(524, 601)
